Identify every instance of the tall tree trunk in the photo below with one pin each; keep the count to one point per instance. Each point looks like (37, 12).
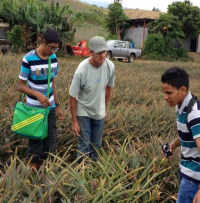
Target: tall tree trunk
(118, 32)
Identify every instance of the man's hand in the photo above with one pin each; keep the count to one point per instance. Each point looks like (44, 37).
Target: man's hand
(76, 128)
(59, 113)
(171, 147)
(43, 100)
(197, 197)
(174, 145)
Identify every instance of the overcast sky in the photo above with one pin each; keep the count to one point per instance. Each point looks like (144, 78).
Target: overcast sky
(141, 4)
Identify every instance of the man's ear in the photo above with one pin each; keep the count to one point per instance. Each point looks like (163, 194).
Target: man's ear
(183, 90)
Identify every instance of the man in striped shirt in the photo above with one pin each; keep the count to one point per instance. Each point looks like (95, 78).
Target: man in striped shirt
(33, 81)
(175, 85)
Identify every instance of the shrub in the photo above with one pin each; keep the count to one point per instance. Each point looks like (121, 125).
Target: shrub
(16, 37)
(162, 47)
(155, 44)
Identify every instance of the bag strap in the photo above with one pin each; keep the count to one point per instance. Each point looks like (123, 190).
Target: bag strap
(49, 73)
(191, 103)
(188, 109)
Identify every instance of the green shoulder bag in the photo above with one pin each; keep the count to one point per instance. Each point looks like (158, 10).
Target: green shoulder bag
(31, 122)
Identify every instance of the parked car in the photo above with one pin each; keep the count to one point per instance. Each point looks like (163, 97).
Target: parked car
(81, 49)
(122, 50)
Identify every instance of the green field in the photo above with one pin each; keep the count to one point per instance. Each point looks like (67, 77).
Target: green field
(131, 167)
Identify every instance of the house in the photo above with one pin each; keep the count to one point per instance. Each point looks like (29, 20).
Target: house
(138, 31)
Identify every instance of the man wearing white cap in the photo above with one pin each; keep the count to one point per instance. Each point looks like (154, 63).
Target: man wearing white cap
(90, 93)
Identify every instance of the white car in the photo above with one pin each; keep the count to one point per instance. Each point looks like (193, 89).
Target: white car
(122, 50)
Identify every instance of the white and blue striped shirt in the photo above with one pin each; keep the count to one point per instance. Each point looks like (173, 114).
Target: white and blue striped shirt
(188, 127)
(34, 70)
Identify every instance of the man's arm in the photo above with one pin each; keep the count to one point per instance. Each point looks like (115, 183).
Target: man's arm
(73, 108)
(198, 143)
(197, 197)
(108, 95)
(22, 87)
(58, 109)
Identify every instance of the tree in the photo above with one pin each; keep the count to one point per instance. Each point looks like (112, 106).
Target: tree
(156, 9)
(116, 19)
(188, 15)
(165, 38)
(169, 26)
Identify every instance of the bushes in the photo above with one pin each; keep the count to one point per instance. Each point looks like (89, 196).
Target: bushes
(16, 37)
(155, 45)
(162, 47)
(165, 39)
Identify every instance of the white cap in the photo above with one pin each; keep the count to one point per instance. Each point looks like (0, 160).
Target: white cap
(97, 44)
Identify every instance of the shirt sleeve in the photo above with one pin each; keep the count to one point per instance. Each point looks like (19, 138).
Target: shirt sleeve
(24, 69)
(75, 85)
(111, 81)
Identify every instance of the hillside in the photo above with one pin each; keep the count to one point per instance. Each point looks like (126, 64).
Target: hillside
(85, 30)
(77, 5)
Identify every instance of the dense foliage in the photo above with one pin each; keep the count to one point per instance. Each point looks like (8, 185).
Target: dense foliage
(33, 16)
(182, 22)
(116, 19)
(188, 16)
(169, 26)
(16, 37)
(166, 38)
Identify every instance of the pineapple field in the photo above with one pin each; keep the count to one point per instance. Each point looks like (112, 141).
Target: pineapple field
(131, 165)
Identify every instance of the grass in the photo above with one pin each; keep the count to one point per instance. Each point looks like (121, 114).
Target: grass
(131, 167)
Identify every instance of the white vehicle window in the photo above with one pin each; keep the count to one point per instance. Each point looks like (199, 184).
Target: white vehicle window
(125, 45)
(117, 44)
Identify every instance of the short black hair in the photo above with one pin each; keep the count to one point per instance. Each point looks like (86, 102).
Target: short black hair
(51, 36)
(176, 77)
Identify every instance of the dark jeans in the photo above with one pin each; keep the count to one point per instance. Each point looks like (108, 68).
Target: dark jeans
(38, 149)
(90, 139)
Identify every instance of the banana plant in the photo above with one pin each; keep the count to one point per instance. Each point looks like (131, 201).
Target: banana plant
(34, 16)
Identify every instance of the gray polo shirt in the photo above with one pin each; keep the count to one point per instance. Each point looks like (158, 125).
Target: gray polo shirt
(88, 87)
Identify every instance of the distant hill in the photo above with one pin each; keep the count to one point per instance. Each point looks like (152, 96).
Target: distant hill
(77, 5)
(87, 29)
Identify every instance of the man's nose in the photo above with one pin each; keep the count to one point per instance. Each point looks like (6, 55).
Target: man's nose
(166, 97)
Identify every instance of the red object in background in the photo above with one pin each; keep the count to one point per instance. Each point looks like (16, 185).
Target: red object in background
(81, 49)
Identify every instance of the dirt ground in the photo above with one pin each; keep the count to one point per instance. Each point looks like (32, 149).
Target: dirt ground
(195, 56)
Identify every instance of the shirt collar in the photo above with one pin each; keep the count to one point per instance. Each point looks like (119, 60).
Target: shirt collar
(185, 103)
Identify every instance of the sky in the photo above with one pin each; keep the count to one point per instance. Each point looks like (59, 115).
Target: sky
(141, 4)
